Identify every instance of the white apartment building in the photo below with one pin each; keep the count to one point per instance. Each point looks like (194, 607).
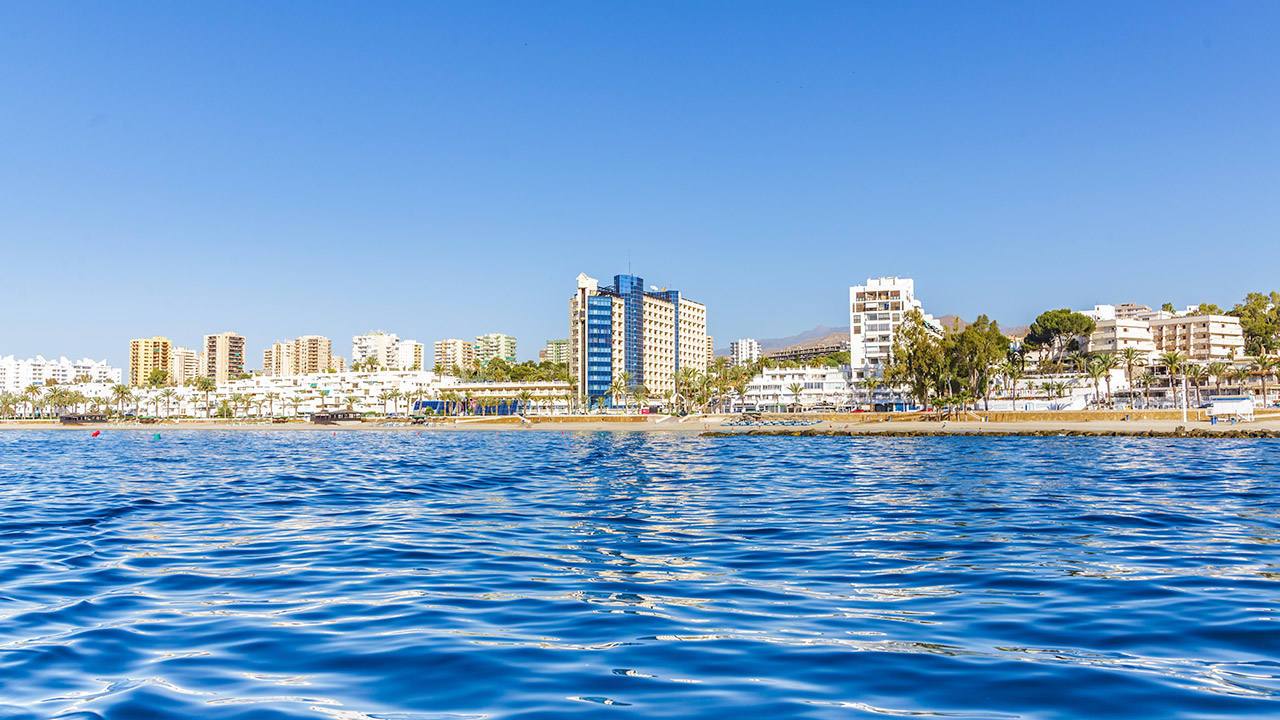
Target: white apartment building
(773, 389)
(1113, 333)
(16, 374)
(184, 365)
(383, 347)
(744, 351)
(555, 351)
(494, 345)
(410, 355)
(876, 310)
(623, 328)
(453, 352)
(1202, 338)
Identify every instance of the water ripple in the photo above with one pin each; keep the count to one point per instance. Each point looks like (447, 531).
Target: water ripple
(407, 576)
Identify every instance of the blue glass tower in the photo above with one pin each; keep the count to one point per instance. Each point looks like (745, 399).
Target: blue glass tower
(631, 289)
(599, 361)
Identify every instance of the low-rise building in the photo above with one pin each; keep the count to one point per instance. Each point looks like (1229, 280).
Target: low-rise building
(1202, 338)
(780, 389)
(17, 374)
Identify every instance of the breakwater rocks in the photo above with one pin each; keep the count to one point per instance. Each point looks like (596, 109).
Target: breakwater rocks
(1179, 432)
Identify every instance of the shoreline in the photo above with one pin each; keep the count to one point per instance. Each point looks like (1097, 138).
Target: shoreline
(714, 427)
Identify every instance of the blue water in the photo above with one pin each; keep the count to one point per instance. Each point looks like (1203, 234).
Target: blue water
(521, 575)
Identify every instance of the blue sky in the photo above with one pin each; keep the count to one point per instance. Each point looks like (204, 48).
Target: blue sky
(443, 170)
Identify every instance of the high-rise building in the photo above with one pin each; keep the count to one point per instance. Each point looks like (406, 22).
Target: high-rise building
(409, 355)
(495, 345)
(146, 355)
(555, 351)
(711, 350)
(744, 351)
(454, 352)
(277, 360)
(647, 334)
(382, 347)
(223, 356)
(184, 365)
(876, 311)
(305, 355)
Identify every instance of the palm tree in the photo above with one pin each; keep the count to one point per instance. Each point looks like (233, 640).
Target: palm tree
(524, 398)
(1108, 362)
(271, 402)
(168, 395)
(1096, 369)
(795, 389)
(620, 388)
(121, 394)
(1264, 367)
(395, 396)
(32, 394)
(205, 385)
(1218, 370)
(1173, 362)
(1197, 374)
(1131, 358)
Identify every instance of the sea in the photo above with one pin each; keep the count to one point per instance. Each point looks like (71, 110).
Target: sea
(432, 575)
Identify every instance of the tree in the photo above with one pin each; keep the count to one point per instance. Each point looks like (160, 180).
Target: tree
(1131, 358)
(271, 402)
(795, 389)
(205, 385)
(916, 360)
(1172, 362)
(157, 378)
(1218, 371)
(1260, 322)
(1055, 330)
(121, 394)
(1095, 370)
(1107, 362)
(168, 394)
(1264, 367)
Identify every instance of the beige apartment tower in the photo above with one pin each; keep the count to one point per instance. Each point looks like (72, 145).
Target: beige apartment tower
(223, 356)
(147, 354)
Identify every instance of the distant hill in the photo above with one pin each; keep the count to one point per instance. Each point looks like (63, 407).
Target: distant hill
(828, 334)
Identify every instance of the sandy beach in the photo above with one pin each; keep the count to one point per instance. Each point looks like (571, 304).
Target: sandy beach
(716, 425)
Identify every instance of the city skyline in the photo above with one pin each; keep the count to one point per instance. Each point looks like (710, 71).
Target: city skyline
(160, 183)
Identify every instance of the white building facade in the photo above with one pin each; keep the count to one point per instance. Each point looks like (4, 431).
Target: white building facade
(775, 390)
(744, 351)
(876, 311)
(16, 374)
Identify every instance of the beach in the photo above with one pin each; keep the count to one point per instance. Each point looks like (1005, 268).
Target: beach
(719, 425)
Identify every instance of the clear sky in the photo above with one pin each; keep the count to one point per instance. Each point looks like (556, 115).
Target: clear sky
(442, 170)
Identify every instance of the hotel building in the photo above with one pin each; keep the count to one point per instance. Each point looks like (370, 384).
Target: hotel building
(495, 345)
(382, 347)
(744, 351)
(555, 351)
(623, 328)
(1202, 338)
(454, 352)
(305, 355)
(184, 365)
(410, 355)
(223, 356)
(876, 311)
(1113, 333)
(147, 354)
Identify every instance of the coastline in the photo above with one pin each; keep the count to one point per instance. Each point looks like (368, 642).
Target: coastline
(713, 426)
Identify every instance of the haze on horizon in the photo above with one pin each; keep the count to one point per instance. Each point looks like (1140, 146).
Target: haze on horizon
(447, 170)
